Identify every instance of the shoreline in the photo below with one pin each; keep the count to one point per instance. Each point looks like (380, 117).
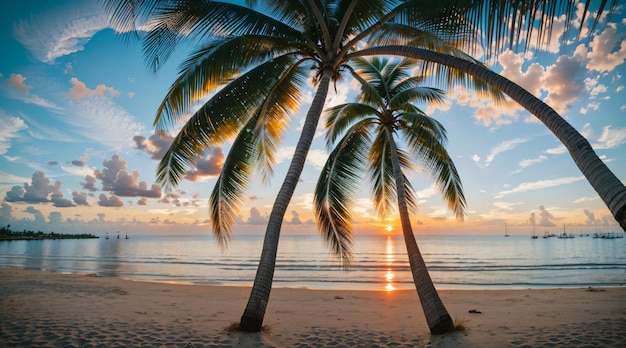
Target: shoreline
(40, 308)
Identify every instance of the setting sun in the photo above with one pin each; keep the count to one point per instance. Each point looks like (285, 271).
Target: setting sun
(389, 228)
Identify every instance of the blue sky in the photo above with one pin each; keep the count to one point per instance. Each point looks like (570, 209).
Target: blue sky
(77, 151)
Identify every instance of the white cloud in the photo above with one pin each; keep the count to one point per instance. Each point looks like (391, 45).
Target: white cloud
(601, 56)
(529, 162)
(498, 149)
(102, 120)
(9, 127)
(563, 82)
(284, 154)
(61, 32)
(539, 185)
(611, 138)
(317, 158)
(586, 199)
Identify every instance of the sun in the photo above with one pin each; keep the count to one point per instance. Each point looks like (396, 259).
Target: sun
(389, 228)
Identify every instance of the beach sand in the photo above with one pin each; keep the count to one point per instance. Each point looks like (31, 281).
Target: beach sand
(45, 309)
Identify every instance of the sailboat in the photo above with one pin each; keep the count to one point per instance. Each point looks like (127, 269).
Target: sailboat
(506, 232)
(534, 236)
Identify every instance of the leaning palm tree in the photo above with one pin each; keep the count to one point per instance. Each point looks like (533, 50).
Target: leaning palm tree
(251, 63)
(366, 133)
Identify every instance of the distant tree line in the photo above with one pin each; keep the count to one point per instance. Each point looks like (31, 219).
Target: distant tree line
(7, 234)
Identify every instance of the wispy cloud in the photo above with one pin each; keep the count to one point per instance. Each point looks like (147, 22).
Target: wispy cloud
(15, 87)
(102, 120)
(539, 185)
(498, 149)
(61, 32)
(611, 138)
(529, 162)
(9, 128)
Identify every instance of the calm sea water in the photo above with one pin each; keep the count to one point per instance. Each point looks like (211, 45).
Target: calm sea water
(454, 262)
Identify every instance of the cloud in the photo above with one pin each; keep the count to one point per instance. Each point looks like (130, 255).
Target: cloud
(116, 179)
(79, 90)
(61, 31)
(89, 183)
(523, 164)
(17, 81)
(116, 127)
(602, 56)
(295, 218)
(610, 138)
(256, 218)
(498, 149)
(15, 87)
(539, 185)
(80, 198)
(208, 165)
(317, 158)
(39, 191)
(545, 218)
(9, 128)
(156, 146)
(590, 217)
(6, 214)
(564, 82)
(111, 201)
(512, 69)
(39, 218)
(586, 199)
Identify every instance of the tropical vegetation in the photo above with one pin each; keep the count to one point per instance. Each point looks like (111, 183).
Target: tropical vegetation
(7, 234)
(364, 136)
(253, 62)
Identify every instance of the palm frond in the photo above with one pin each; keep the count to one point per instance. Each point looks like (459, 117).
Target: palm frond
(426, 141)
(337, 184)
(172, 23)
(219, 119)
(397, 34)
(408, 94)
(282, 101)
(341, 117)
(233, 181)
(215, 64)
(381, 176)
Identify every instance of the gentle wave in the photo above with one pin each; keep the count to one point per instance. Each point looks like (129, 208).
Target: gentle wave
(380, 261)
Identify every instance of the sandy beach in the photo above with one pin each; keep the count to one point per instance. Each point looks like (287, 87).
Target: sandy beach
(45, 309)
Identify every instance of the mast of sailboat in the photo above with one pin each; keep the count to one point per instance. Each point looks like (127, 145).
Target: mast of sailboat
(506, 231)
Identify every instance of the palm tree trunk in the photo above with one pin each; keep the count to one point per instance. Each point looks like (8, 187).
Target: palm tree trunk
(610, 189)
(252, 318)
(437, 317)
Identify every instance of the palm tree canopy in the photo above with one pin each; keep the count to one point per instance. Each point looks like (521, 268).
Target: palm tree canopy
(280, 43)
(252, 64)
(358, 136)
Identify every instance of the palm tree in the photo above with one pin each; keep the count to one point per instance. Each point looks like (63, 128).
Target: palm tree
(247, 46)
(602, 179)
(276, 44)
(367, 131)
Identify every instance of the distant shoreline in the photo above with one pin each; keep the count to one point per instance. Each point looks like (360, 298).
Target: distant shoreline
(56, 237)
(7, 235)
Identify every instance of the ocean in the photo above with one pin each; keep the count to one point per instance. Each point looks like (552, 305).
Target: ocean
(381, 263)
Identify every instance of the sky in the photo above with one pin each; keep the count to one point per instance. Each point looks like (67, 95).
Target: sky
(78, 151)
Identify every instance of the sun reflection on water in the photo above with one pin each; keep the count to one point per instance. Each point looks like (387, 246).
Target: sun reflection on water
(389, 256)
